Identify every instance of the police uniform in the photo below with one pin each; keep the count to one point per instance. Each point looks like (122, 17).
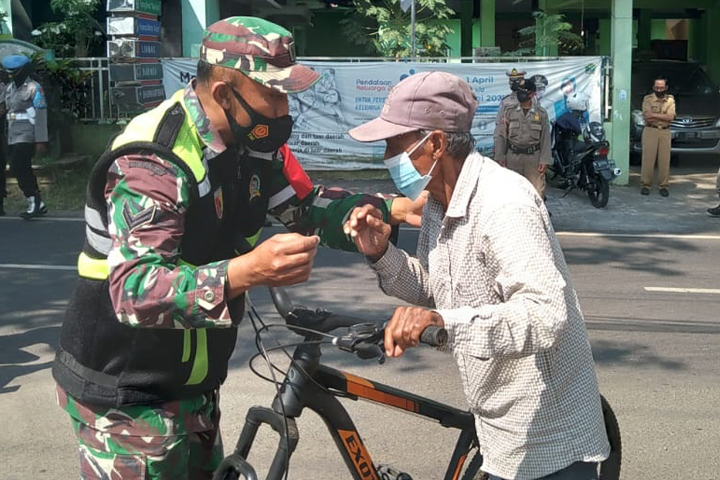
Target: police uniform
(522, 143)
(656, 141)
(3, 150)
(26, 116)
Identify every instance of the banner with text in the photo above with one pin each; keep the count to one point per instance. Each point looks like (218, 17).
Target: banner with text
(350, 94)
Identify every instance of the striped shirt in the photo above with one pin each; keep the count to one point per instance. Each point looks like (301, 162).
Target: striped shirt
(493, 268)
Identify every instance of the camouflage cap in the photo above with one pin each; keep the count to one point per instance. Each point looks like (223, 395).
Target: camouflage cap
(260, 49)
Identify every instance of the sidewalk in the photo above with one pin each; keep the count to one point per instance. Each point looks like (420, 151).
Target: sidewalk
(692, 191)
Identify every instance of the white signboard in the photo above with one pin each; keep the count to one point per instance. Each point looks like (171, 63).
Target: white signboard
(350, 94)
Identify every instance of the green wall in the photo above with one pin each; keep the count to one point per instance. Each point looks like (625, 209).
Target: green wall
(326, 39)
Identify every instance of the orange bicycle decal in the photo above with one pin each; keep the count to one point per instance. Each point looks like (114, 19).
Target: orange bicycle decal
(365, 389)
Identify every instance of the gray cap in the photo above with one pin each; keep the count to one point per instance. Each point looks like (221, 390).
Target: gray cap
(424, 101)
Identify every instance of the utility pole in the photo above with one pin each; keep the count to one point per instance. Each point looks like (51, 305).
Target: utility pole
(412, 30)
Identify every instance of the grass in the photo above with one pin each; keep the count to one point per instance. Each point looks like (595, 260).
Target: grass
(62, 189)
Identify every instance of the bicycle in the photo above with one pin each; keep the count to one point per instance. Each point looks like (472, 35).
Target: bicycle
(308, 383)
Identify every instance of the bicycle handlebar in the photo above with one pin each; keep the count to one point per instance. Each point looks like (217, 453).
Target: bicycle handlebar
(363, 337)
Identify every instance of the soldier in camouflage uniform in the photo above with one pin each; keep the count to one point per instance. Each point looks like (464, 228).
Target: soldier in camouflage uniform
(26, 112)
(174, 211)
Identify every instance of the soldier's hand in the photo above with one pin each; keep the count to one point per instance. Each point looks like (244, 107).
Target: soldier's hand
(285, 259)
(281, 260)
(404, 210)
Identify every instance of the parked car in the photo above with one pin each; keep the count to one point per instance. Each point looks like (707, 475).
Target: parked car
(696, 128)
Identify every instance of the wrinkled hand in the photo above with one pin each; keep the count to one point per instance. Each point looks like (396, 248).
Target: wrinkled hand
(541, 168)
(368, 230)
(404, 329)
(285, 259)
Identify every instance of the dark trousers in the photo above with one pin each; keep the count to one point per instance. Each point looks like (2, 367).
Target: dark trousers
(20, 157)
(576, 471)
(3, 166)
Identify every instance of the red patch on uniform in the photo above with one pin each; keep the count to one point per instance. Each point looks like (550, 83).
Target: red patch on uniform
(260, 131)
(219, 202)
(295, 174)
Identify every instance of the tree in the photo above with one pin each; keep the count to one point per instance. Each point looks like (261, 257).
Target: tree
(548, 31)
(384, 28)
(76, 33)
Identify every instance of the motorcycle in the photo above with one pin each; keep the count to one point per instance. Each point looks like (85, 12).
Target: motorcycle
(583, 164)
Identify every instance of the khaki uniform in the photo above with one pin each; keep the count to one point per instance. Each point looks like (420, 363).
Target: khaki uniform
(522, 143)
(656, 141)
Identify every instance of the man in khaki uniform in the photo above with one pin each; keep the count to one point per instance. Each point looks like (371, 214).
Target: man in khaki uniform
(522, 138)
(659, 110)
(510, 100)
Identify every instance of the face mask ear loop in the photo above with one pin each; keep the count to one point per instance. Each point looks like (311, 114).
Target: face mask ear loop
(419, 143)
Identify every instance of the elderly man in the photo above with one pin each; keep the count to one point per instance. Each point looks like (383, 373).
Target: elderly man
(490, 270)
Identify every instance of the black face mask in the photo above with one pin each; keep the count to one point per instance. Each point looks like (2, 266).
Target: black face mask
(19, 75)
(514, 84)
(660, 93)
(263, 134)
(523, 96)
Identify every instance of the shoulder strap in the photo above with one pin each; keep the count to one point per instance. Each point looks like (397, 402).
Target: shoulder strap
(162, 144)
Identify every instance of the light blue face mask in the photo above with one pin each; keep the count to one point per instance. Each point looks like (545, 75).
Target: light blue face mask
(406, 177)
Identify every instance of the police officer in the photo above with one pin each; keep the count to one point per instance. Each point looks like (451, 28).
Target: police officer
(4, 80)
(659, 110)
(522, 138)
(26, 113)
(174, 213)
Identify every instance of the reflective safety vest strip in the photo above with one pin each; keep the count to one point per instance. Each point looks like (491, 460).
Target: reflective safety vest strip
(200, 362)
(187, 145)
(93, 268)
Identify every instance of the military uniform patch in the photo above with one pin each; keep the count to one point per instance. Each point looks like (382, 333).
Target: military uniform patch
(254, 187)
(219, 202)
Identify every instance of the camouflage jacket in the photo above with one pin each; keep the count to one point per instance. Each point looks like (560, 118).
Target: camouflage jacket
(147, 286)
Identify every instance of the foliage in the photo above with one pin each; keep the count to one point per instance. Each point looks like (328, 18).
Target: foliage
(3, 20)
(386, 28)
(548, 31)
(67, 90)
(76, 33)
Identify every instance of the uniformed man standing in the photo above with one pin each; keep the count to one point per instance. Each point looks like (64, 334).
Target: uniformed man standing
(3, 153)
(522, 138)
(27, 129)
(659, 110)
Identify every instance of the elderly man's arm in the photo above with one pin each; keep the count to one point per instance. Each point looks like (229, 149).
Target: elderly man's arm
(518, 253)
(403, 276)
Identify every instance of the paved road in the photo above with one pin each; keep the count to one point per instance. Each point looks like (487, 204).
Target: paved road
(657, 352)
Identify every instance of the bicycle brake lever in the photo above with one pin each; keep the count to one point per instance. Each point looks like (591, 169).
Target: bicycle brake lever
(366, 351)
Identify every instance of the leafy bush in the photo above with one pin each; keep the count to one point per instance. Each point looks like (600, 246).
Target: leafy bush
(67, 90)
(386, 29)
(76, 34)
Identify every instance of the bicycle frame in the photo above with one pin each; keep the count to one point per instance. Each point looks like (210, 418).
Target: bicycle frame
(301, 389)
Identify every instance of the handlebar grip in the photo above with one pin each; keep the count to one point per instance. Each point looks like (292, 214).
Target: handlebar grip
(434, 336)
